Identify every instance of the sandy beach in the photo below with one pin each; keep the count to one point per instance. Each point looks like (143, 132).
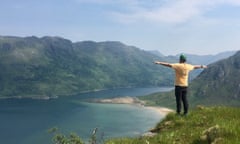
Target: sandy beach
(133, 101)
(164, 111)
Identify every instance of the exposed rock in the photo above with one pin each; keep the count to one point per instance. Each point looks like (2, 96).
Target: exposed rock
(211, 135)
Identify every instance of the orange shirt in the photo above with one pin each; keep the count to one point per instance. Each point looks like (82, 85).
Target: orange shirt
(181, 71)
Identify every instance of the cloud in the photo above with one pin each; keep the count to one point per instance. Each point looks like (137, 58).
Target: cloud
(171, 11)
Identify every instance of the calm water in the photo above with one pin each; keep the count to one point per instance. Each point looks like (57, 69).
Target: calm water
(26, 121)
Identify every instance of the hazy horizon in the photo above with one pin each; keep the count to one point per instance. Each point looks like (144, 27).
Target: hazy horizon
(127, 45)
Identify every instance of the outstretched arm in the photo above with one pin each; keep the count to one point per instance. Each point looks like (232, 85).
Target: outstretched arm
(200, 66)
(163, 63)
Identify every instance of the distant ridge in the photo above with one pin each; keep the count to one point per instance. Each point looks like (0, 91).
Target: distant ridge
(52, 66)
(208, 59)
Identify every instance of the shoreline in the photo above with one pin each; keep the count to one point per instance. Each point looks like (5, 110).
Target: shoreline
(37, 97)
(47, 97)
(119, 100)
(132, 101)
(163, 111)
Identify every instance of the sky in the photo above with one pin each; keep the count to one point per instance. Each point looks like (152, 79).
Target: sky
(169, 26)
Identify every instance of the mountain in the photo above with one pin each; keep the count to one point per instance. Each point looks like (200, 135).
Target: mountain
(219, 83)
(196, 59)
(208, 59)
(52, 66)
(156, 52)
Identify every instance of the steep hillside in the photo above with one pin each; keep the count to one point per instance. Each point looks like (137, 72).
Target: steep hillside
(51, 66)
(220, 83)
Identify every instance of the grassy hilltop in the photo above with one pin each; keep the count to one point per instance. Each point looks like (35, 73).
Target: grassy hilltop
(203, 125)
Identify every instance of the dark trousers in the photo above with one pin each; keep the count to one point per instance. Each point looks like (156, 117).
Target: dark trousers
(181, 96)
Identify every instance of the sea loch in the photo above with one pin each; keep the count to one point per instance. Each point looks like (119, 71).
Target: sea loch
(26, 121)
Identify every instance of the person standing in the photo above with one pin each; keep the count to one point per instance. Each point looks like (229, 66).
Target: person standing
(182, 70)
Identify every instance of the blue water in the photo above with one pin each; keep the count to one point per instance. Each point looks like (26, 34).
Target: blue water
(26, 121)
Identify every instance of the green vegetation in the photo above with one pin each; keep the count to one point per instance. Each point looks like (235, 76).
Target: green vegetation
(72, 138)
(53, 66)
(203, 125)
(60, 138)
